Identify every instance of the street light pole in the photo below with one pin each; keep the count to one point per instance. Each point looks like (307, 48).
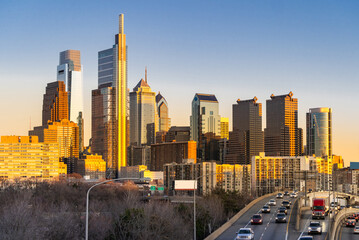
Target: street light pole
(88, 199)
(194, 200)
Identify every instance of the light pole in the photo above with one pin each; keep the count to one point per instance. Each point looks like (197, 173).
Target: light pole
(194, 199)
(88, 198)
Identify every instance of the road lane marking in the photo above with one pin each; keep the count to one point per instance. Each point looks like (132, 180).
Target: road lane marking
(305, 226)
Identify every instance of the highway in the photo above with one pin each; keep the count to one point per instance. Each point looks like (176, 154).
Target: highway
(306, 218)
(346, 233)
(269, 230)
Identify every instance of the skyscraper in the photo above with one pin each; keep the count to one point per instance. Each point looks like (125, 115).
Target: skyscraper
(205, 116)
(164, 122)
(319, 132)
(104, 127)
(205, 121)
(110, 121)
(121, 88)
(143, 114)
(282, 135)
(70, 72)
(246, 140)
(55, 103)
(224, 127)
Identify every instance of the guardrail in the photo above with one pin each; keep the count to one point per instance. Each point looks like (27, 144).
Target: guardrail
(338, 220)
(231, 221)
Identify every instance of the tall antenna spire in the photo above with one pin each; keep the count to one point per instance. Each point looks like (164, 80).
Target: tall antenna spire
(146, 74)
(121, 24)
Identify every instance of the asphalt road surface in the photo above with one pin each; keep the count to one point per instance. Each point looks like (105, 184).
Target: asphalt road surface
(269, 230)
(347, 233)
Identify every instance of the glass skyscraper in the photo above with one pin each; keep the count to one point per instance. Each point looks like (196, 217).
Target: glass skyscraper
(319, 132)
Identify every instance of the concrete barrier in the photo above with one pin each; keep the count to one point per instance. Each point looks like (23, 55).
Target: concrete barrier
(230, 222)
(338, 220)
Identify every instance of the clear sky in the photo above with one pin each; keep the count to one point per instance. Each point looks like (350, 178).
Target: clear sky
(233, 49)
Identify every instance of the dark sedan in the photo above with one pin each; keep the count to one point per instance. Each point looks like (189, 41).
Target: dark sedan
(281, 217)
(257, 219)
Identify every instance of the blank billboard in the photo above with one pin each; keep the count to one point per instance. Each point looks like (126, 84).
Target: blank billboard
(185, 185)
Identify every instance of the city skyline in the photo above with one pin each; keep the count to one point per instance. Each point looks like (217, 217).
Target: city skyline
(317, 66)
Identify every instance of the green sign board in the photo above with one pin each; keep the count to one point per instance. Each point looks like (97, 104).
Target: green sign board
(153, 188)
(160, 188)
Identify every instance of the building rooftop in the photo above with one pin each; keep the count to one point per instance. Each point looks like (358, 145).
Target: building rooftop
(206, 97)
(141, 83)
(354, 165)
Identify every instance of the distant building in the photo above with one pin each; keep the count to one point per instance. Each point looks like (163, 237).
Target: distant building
(74, 165)
(224, 127)
(141, 171)
(171, 152)
(319, 132)
(226, 176)
(346, 180)
(246, 139)
(178, 134)
(95, 167)
(205, 118)
(55, 103)
(282, 135)
(63, 132)
(24, 157)
(70, 71)
(104, 127)
(143, 114)
(164, 122)
(139, 155)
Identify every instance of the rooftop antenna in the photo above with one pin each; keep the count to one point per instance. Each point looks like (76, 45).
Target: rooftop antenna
(146, 74)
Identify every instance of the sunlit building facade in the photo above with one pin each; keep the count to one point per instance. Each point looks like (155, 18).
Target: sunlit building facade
(224, 127)
(143, 114)
(95, 167)
(64, 132)
(23, 157)
(112, 82)
(55, 103)
(164, 122)
(164, 153)
(319, 132)
(70, 71)
(205, 119)
(282, 135)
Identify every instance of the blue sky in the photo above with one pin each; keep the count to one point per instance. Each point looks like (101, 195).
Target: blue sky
(234, 49)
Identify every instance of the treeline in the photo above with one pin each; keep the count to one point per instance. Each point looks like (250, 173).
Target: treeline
(56, 210)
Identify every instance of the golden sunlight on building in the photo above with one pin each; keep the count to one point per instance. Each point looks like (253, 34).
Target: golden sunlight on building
(25, 157)
(95, 167)
(224, 127)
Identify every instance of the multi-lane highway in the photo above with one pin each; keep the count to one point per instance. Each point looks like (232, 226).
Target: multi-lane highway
(305, 220)
(269, 230)
(347, 233)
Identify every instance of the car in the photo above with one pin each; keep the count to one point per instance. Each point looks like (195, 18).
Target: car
(356, 229)
(286, 193)
(310, 190)
(293, 195)
(282, 210)
(280, 195)
(356, 216)
(281, 217)
(244, 233)
(305, 238)
(315, 227)
(257, 219)
(286, 204)
(265, 209)
(272, 202)
(350, 223)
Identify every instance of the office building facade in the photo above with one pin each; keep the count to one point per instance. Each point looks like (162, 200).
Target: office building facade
(319, 132)
(224, 127)
(246, 139)
(164, 122)
(104, 127)
(143, 114)
(55, 103)
(171, 152)
(24, 157)
(70, 71)
(282, 135)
